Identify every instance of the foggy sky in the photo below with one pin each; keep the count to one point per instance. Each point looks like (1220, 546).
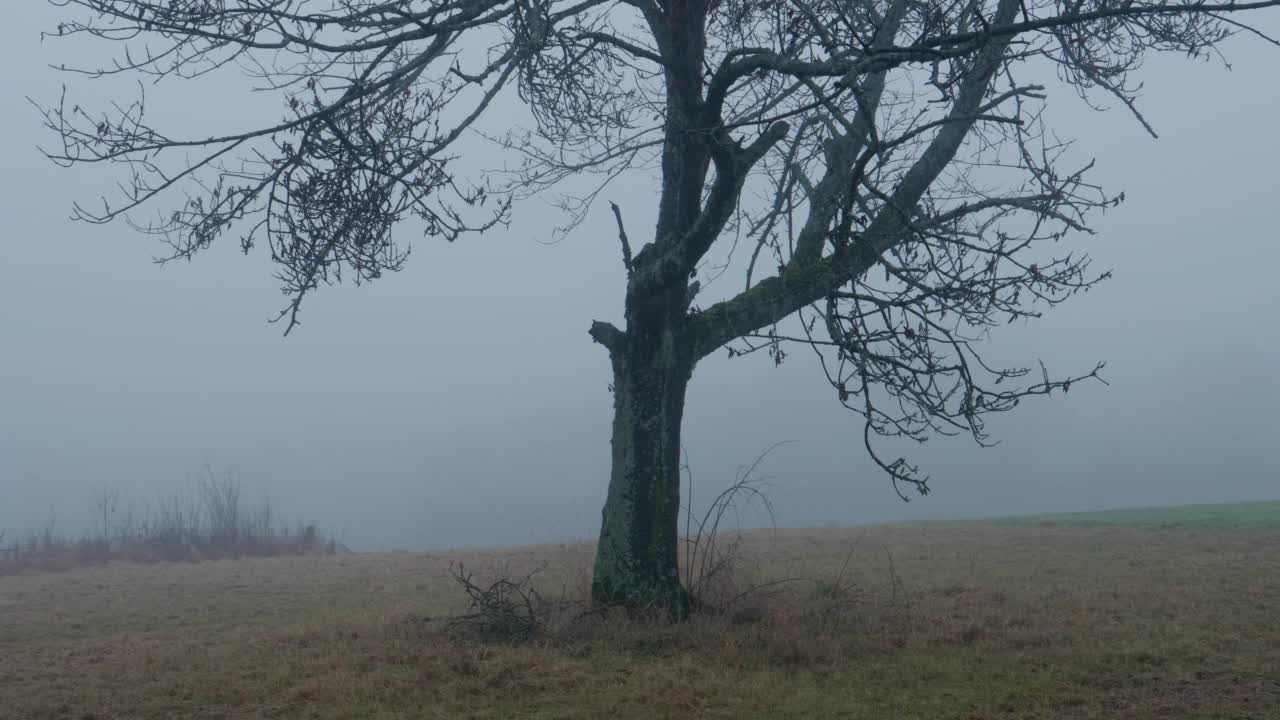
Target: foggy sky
(461, 402)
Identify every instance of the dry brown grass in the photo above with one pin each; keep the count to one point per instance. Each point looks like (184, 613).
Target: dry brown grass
(916, 622)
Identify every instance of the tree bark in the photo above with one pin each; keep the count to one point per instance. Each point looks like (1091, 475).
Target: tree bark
(637, 557)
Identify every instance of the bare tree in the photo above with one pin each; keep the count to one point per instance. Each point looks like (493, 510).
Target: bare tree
(886, 163)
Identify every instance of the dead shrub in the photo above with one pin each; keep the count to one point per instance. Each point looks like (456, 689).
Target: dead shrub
(213, 523)
(501, 608)
(714, 564)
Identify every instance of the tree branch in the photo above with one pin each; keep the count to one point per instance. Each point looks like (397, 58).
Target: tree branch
(629, 47)
(608, 335)
(802, 284)
(626, 244)
(732, 165)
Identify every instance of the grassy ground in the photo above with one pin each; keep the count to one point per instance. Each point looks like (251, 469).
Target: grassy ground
(1254, 515)
(964, 622)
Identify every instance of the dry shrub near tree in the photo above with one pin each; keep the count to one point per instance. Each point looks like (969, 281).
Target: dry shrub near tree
(722, 575)
(885, 168)
(715, 572)
(501, 608)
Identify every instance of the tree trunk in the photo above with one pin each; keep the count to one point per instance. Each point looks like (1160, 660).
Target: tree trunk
(637, 557)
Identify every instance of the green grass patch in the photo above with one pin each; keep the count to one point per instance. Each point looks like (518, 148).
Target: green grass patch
(1250, 515)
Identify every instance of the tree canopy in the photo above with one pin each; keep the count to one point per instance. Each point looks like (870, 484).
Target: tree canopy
(885, 168)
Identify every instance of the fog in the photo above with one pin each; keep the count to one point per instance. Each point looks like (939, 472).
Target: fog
(461, 402)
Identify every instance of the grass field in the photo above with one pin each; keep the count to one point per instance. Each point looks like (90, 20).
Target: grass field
(964, 622)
